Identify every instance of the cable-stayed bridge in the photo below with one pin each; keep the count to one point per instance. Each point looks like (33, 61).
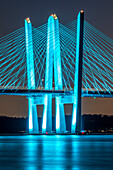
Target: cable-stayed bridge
(65, 62)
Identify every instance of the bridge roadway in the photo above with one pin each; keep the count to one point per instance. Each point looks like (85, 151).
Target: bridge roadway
(37, 93)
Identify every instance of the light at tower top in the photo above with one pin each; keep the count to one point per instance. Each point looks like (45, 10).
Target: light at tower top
(28, 20)
(54, 16)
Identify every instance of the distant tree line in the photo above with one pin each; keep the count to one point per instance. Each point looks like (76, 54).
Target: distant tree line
(90, 123)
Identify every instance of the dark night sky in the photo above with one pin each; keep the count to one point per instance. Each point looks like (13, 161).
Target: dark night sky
(99, 13)
(13, 12)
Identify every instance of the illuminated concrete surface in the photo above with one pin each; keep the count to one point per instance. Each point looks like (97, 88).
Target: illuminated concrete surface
(32, 115)
(76, 114)
(56, 152)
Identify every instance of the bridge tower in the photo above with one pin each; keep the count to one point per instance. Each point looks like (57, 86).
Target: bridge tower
(53, 59)
(47, 112)
(32, 115)
(76, 115)
(59, 107)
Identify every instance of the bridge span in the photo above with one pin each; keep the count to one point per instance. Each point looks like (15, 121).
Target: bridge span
(56, 61)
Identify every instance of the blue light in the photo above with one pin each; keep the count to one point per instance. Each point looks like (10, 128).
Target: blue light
(47, 112)
(33, 120)
(57, 115)
(60, 115)
(76, 115)
(44, 114)
(30, 115)
(97, 60)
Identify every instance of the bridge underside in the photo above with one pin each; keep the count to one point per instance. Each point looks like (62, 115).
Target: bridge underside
(39, 93)
(38, 97)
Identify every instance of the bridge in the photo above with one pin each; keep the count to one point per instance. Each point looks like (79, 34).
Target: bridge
(65, 62)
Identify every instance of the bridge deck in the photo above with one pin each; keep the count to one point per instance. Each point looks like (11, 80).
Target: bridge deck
(32, 92)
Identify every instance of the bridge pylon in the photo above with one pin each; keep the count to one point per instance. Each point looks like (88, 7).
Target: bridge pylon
(47, 112)
(76, 115)
(53, 60)
(59, 107)
(32, 110)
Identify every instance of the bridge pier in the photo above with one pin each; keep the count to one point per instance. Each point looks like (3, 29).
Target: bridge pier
(76, 115)
(32, 115)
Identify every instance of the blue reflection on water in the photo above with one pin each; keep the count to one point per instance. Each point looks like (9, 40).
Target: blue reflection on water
(56, 152)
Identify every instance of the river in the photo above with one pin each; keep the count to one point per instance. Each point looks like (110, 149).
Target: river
(56, 152)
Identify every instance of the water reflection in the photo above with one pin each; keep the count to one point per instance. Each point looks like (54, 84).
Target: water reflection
(56, 152)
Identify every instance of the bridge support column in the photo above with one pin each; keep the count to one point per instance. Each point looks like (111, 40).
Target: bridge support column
(47, 113)
(32, 115)
(76, 115)
(59, 107)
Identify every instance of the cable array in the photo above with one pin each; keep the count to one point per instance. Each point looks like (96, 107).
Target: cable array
(97, 58)
(39, 49)
(12, 60)
(68, 53)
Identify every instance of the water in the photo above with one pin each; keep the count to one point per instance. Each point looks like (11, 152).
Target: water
(56, 152)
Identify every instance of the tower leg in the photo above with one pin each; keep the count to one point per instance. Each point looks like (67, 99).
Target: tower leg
(32, 113)
(32, 116)
(76, 115)
(47, 114)
(59, 107)
(60, 116)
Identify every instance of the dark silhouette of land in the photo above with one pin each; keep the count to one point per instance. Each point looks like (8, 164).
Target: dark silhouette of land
(90, 123)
